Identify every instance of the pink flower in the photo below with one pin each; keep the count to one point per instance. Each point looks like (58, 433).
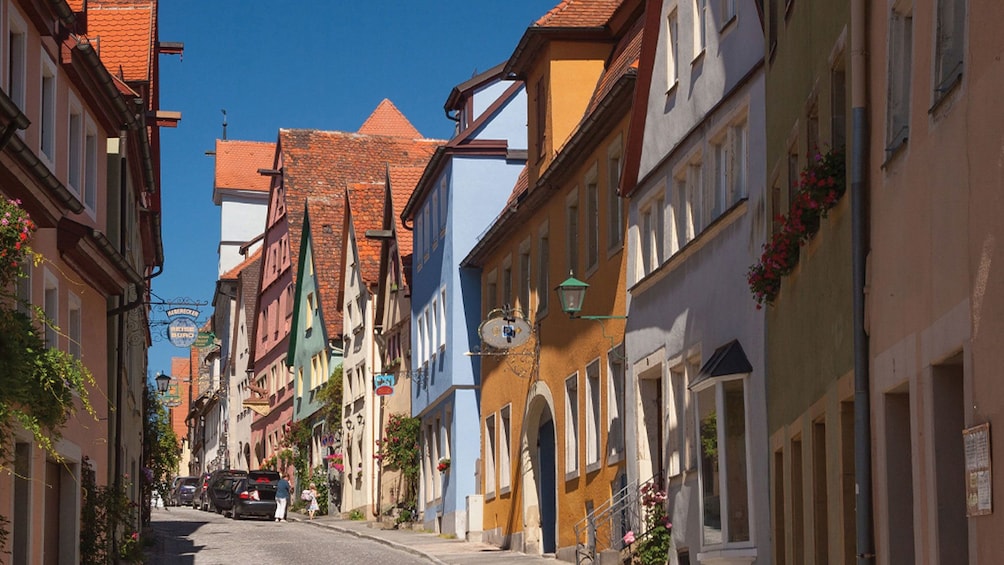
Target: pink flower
(629, 538)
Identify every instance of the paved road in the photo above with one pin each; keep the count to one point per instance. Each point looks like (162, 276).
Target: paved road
(192, 537)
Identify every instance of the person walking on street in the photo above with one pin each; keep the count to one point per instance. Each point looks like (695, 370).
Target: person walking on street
(312, 500)
(282, 490)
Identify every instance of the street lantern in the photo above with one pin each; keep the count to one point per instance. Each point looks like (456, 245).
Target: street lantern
(163, 382)
(571, 294)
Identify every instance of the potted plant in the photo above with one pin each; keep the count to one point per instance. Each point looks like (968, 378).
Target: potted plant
(444, 465)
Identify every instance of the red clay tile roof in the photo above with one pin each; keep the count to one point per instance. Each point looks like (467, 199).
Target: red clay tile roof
(388, 120)
(237, 164)
(521, 186)
(622, 61)
(366, 202)
(124, 32)
(247, 283)
(75, 5)
(326, 219)
(231, 275)
(403, 181)
(321, 164)
(579, 13)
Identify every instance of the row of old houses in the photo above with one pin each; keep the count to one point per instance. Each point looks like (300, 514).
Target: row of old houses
(739, 253)
(80, 153)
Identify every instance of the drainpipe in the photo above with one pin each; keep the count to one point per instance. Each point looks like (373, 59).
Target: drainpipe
(859, 249)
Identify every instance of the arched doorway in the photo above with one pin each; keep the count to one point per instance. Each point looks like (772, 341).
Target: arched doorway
(538, 452)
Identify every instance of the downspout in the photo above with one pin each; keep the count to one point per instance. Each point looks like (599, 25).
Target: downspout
(859, 249)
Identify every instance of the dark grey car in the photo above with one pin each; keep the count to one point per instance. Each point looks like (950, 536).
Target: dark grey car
(183, 491)
(254, 495)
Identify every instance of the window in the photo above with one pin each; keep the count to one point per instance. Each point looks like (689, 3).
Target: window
(434, 325)
(572, 426)
(592, 224)
(50, 308)
(420, 342)
(615, 207)
(434, 228)
(729, 183)
(792, 173)
(489, 456)
(311, 311)
(491, 292)
(572, 230)
(505, 451)
(728, 11)
(540, 111)
(443, 208)
(694, 209)
(592, 414)
(615, 404)
(673, 51)
(721, 409)
(74, 329)
(75, 150)
(543, 265)
(427, 235)
(419, 226)
(900, 62)
(838, 101)
(524, 277)
(507, 298)
(16, 63)
(442, 317)
(47, 112)
(949, 47)
(653, 234)
(90, 169)
(24, 289)
(700, 25)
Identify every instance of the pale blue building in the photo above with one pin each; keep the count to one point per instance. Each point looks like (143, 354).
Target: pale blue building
(464, 187)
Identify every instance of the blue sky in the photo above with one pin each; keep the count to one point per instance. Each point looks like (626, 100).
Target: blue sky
(319, 64)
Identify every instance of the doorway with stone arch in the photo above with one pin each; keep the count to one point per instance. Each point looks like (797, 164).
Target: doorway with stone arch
(538, 451)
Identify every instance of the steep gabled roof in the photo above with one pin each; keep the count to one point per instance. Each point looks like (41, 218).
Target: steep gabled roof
(124, 32)
(388, 120)
(325, 235)
(237, 164)
(247, 284)
(232, 274)
(365, 208)
(403, 181)
(579, 13)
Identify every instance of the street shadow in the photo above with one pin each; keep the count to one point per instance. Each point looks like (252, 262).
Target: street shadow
(171, 545)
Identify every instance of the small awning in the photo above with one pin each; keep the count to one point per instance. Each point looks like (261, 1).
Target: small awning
(727, 360)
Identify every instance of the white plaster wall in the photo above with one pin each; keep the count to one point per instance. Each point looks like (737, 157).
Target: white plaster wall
(242, 218)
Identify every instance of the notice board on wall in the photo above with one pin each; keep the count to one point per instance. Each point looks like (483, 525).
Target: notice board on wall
(979, 475)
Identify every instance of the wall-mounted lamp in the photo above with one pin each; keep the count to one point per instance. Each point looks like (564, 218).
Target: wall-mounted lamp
(571, 295)
(359, 419)
(163, 382)
(348, 424)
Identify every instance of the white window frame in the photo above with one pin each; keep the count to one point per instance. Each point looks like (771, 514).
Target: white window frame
(572, 426)
(50, 284)
(615, 204)
(543, 269)
(718, 385)
(490, 446)
(17, 56)
(949, 46)
(47, 122)
(653, 231)
(417, 241)
(591, 232)
(593, 415)
(443, 206)
(92, 158)
(525, 274)
(74, 326)
(75, 147)
(728, 9)
(442, 318)
(616, 404)
(900, 52)
(311, 309)
(673, 50)
(505, 449)
(700, 27)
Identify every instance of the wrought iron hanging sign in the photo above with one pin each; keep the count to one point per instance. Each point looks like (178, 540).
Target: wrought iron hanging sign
(182, 330)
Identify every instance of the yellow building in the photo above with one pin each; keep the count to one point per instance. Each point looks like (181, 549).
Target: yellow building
(552, 396)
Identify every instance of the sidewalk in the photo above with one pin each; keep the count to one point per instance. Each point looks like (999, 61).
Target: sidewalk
(432, 547)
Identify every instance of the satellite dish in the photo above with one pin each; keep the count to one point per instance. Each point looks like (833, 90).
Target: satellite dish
(505, 332)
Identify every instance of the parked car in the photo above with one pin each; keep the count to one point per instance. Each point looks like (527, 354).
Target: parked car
(254, 495)
(200, 500)
(220, 489)
(182, 491)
